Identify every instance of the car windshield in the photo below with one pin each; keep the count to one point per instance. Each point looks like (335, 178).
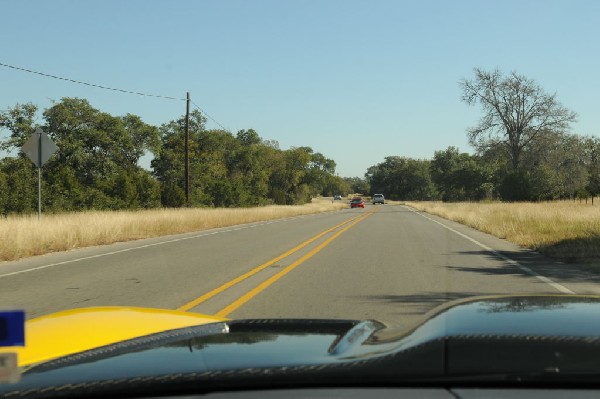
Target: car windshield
(231, 158)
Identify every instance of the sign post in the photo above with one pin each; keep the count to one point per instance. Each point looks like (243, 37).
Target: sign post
(39, 148)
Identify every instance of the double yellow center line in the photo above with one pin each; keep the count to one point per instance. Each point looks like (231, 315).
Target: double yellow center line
(265, 284)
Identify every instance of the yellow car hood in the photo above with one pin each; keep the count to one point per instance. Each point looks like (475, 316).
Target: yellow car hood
(72, 331)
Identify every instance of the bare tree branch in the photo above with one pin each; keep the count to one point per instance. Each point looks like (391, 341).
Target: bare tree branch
(516, 111)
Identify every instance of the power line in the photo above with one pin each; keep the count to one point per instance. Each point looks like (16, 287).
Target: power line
(90, 84)
(113, 89)
(210, 117)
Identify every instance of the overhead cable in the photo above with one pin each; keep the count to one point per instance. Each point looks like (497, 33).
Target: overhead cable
(90, 84)
(209, 117)
(113, 89)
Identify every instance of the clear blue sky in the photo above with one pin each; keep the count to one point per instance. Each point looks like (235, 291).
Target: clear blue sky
(354, 80)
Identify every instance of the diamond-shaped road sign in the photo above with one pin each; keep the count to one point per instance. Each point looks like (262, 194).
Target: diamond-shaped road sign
(39, 148)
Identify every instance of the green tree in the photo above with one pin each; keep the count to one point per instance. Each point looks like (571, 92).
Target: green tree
(516, 111)
(459, 176)
(20, 177)
(516, 186)
(358, 185)
(19, 122)
(337, 185)
(168, 166)
(556, 167)
(286, 182)
(592, 145)
(402, 178)
(240, 170)
(101, 153)
(248, 137)
(3, 192)
(319, 174)
(141, 138)
(96, 165)
(17, 175)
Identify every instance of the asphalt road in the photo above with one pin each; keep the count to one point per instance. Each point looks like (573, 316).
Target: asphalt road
(385, 262)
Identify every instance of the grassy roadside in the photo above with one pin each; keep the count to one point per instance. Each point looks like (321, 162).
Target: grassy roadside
(24, 236)
(564, 230)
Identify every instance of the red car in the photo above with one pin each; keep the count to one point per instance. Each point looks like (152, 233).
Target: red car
(357, 202)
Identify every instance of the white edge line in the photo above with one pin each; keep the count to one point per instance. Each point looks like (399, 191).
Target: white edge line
(527, 270)
(249, 226)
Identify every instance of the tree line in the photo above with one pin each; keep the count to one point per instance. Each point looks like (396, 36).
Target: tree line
(562, 166)
(97, 164)
(524, 151)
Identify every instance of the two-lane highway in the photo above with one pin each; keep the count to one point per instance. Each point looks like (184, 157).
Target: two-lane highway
(385, 262)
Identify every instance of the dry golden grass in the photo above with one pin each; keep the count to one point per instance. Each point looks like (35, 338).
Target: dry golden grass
(566, 230)
(24, 236)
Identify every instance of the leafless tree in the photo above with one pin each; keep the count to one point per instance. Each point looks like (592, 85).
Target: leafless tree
(516, 111)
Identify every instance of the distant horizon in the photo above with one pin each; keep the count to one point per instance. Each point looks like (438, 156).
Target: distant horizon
(355, 81)
(146, 159)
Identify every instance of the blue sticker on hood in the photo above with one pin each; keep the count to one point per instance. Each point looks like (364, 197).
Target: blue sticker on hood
(12, 328)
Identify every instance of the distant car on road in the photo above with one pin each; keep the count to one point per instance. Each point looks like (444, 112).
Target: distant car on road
(357, 202)
(337, 197)
(378, 199)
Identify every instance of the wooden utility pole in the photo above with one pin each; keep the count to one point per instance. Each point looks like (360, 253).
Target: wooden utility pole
(187, 156)
(40, 163)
